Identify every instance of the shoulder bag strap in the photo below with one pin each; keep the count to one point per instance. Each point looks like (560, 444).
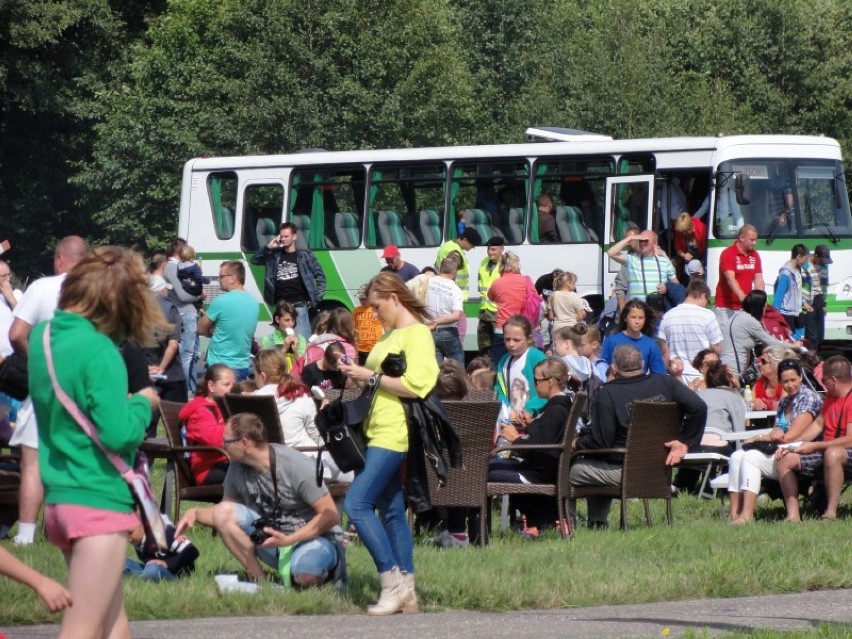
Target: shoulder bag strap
(82, 420)
(642, 266)
(733, 343)
(276, 509)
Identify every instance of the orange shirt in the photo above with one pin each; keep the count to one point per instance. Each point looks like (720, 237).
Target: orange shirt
(368, 328)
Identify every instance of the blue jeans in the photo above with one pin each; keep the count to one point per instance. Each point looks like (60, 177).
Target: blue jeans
(303, 321)
(190, 345)
(316, 557)
(150, 572)
(498, 349)
(448, 344)
(379, 485)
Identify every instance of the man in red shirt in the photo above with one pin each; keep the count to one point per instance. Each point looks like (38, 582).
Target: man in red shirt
(740, 271)
(833, 455)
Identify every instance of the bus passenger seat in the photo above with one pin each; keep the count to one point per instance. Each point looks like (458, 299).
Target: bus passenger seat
(265, 230)
(569, 222)
(391, 230)
(347, 229)
(430, 227)
(478, 219)
(303, 224)
(515, 230)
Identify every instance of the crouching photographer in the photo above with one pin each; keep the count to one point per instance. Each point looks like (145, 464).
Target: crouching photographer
(273, 511)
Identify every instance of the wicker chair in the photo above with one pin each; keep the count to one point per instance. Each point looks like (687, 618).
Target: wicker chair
(264, 407)
(10, 483)
(466, 486)
(480, 395)
(645, 474)
(560, 490)
(185, 487)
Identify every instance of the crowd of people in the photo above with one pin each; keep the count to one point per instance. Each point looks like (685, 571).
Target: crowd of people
(539, 343)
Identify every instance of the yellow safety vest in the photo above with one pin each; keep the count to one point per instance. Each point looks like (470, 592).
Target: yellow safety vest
(463, 274)
(484, 280)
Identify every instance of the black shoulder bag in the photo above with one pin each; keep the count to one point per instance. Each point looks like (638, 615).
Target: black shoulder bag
(340, 426)
(749, 376)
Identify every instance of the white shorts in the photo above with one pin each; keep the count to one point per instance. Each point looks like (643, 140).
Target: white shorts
(26, 429)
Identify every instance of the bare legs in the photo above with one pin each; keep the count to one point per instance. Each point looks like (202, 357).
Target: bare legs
(833, 459)
(94, 579)
(31, 492)
(235, 540)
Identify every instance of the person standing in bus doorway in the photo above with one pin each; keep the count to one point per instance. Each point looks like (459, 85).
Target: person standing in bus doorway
(740, 272)
(489, 271)
(468, 240)
(394, 264)
(230, 322)
(817, 267)
(292, 275)
(445, 308)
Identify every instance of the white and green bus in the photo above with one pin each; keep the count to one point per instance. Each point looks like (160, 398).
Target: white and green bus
(348, 205)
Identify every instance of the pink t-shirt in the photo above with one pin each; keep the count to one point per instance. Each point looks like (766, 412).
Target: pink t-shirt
(509, 292)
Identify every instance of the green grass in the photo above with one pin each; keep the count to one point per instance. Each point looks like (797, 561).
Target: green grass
(701, 556)
(824, 631)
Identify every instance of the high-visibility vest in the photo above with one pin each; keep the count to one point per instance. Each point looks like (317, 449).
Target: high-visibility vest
(484, 280)
(463, 274)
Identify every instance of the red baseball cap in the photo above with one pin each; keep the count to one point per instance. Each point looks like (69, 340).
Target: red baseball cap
(390, 252)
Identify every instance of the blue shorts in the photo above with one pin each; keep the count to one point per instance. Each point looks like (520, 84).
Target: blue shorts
(316, 557)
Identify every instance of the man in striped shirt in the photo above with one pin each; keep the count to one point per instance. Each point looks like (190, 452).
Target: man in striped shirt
(691, 327)
(647, 272)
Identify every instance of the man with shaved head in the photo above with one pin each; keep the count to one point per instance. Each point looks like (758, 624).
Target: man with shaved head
(38, 304)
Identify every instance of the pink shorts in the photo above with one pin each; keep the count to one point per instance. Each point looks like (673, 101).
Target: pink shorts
(66, 523)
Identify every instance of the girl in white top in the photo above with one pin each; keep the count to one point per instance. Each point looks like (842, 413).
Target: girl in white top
(296, 408)
(566, 305)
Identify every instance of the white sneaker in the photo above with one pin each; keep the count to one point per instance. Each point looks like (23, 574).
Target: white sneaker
(231, 583)
(20, 541)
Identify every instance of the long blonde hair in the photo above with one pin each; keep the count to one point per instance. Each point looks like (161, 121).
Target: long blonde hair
(109, 287)
(386, 284)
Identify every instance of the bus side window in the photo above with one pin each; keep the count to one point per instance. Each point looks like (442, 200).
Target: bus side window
(222, 191)
(262, 206)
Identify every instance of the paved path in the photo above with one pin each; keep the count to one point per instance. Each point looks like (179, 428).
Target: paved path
(785, 612)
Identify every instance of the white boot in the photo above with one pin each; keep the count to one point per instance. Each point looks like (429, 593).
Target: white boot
(394, 595)
(408, 583)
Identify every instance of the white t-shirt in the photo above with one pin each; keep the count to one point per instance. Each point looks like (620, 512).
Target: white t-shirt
(6, 318)
(443, 297)
(40, 300)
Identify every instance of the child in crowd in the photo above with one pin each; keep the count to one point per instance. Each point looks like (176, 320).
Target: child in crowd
(566, 346)
(590, 346)
(332, 326)
(635, 325)
(189, 273)
(325, 372)
(480, 375)
(452, 382)
(156, 565)
(284, 336)
(566, 305)
(368, 328)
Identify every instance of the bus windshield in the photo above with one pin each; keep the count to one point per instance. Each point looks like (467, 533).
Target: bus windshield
(782, 198)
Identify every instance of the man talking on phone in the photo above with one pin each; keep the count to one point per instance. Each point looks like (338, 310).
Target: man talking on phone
(292, 275)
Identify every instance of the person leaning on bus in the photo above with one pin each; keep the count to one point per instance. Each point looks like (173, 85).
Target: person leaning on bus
(292, 274)
(468, 240)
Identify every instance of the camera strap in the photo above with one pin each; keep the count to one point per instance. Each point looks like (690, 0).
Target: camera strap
(276, 509)
(659, 273)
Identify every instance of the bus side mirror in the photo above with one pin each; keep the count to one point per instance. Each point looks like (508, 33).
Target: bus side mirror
(742, 187)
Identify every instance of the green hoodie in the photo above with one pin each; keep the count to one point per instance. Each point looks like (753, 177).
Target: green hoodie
(90, 370)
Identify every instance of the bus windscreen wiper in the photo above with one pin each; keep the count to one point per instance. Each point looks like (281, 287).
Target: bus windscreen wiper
(770, 234)
(828, 231)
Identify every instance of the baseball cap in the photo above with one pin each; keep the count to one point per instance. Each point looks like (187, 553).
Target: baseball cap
(693, 267)
(823, 253)
(157, 283)
(472, 236)
(390, 252)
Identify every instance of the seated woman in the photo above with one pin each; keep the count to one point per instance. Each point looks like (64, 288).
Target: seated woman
(701, 362)
(796, 412)
(296, 408)
(204, 425)
(767, 389)
(332, 326)
(325, 372)
(538, 467)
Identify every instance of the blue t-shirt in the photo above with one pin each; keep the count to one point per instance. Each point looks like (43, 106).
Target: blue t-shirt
(234, 316)
(648, 347)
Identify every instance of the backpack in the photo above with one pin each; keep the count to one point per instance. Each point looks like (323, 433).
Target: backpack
(532, 305)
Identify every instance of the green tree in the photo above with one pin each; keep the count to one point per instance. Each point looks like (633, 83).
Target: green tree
(231, 77)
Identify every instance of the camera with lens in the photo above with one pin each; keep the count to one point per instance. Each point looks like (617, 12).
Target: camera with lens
(394, 365)
(258, 536)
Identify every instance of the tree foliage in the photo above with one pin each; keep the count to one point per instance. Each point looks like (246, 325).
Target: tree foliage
(104, 100)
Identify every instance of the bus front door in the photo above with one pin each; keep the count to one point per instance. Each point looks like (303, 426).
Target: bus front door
(628, 204)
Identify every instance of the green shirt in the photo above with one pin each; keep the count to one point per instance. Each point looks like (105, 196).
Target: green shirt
(91, 371)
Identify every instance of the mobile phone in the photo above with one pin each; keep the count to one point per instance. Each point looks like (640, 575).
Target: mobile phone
(316, 391)
(345, 359)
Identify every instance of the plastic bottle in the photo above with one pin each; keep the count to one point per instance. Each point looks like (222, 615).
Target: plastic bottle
(748, 398)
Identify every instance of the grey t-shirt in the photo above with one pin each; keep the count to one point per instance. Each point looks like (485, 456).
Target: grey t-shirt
(297, 487)
(725, 409)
